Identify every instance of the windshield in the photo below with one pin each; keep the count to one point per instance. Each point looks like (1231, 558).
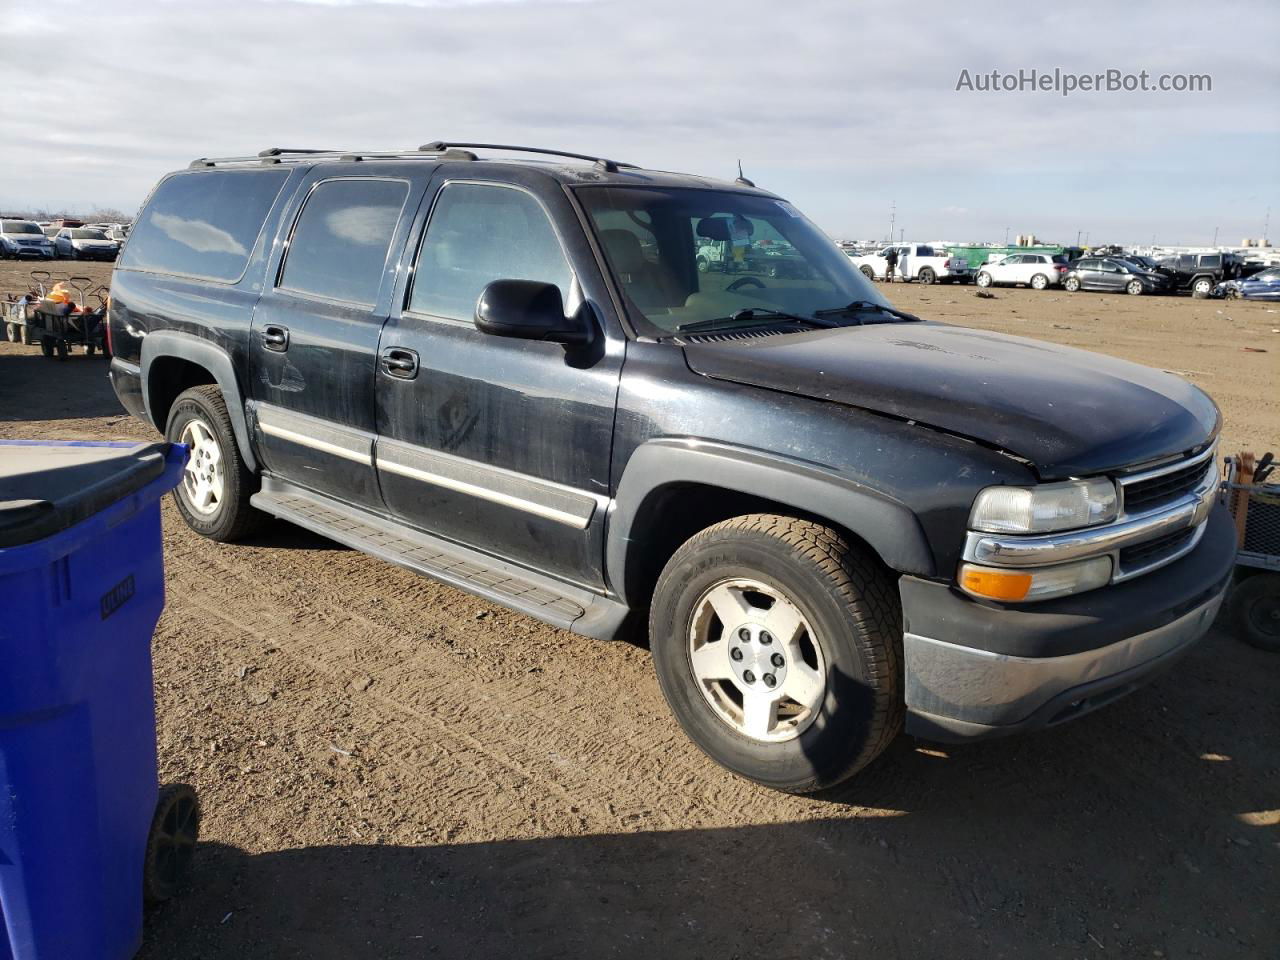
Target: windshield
(86, 235)
(718, 259)
(19, 226)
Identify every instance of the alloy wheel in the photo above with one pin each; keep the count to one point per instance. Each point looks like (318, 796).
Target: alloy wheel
(756, 660)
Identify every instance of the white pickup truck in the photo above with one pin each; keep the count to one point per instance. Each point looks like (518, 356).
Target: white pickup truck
(916, 261)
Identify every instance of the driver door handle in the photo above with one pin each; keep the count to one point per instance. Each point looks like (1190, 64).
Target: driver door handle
(275, 337)
(400, 362)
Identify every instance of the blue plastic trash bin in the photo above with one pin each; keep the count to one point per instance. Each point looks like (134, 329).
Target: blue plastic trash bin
(81, 589)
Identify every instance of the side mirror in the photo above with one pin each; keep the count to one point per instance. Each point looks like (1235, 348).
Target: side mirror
(528, 310)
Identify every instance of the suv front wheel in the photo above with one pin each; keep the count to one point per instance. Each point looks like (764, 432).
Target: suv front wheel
(777, 645)
(213, 496)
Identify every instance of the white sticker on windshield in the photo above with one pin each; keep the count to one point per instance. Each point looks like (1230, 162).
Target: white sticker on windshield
(788, 209)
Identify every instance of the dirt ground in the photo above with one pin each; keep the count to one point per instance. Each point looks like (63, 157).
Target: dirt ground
(391, 768)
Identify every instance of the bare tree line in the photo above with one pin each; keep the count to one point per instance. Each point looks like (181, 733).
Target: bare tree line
(95, 215)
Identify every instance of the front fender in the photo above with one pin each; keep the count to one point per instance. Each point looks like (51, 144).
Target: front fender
(184, 346)
(889, 527)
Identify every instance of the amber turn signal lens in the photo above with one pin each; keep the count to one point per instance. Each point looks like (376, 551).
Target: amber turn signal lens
(994, 584)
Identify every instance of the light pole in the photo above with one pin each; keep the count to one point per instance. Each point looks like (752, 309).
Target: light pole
(1006, 236)
(1215, 236)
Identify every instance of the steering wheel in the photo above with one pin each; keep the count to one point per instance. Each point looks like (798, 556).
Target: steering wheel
(744, 280)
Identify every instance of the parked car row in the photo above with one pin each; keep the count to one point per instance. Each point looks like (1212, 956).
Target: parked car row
(1199, 274)
(26, 239)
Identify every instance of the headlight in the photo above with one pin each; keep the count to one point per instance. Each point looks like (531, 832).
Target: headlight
(1044, 508)
(1034, 583)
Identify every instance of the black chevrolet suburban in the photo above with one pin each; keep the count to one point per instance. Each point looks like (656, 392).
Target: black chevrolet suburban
(502, 368)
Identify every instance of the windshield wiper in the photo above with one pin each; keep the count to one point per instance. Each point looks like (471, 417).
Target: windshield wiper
(765, 315)
(859, 306)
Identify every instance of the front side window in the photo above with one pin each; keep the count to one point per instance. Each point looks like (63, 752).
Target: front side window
(339, 246)
(479, 233)
(765, 256)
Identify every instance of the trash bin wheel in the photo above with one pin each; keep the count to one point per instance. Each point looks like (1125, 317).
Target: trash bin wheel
(171, 842)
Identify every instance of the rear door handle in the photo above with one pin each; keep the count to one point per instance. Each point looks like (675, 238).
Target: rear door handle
(400, 362)
(275, 337)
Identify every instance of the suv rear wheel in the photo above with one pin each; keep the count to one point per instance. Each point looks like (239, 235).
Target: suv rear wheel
(213, 496)
(777, 645)
(1039, 281)
(984, 279)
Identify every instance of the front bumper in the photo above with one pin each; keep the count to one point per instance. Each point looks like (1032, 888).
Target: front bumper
(977, 670)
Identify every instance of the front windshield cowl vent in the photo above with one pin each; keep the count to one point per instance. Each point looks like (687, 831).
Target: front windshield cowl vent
(732, 335)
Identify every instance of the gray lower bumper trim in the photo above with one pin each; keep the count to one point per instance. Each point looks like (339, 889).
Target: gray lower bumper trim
(949, 682)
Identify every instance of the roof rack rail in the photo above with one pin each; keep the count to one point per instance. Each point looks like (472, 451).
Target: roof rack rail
(444, 146)
(438, 148)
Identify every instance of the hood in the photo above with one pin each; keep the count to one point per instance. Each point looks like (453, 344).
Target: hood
(1067, 411)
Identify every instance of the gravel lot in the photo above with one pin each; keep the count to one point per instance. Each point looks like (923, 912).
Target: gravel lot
(391, 768)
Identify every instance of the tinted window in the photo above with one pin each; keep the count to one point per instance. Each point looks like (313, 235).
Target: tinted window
(338, 249)
(1211, 261)
(924, 252)
(480, 233)
(1059, 258)
(203, 224)
(1087, 265)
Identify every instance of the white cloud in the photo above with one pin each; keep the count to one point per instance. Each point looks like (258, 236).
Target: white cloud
(199, 235)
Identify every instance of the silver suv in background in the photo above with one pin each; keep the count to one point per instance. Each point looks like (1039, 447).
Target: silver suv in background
(24, 238)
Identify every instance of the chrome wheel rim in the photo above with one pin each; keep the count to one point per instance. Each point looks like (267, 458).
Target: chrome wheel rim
(756, 661)
(202, 480)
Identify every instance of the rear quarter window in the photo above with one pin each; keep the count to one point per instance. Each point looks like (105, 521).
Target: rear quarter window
(204, 224)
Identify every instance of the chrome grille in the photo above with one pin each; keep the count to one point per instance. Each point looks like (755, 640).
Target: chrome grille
(1153, 489)
(1144, 555)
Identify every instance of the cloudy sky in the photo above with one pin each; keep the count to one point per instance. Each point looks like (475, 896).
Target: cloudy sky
(843, 108)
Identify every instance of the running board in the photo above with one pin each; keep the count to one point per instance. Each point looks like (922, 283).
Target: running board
(559, 604)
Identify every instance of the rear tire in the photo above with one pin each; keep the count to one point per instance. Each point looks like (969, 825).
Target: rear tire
(1039, 282)
(984, 279)
(843, 656)
(213, 496)
(868, 273)
(1071, 284)
(927, 276)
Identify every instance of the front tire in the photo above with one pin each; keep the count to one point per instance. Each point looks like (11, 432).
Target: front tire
(1201, 288)
(1134, 288)
(868, 273)
(777, 645)
(213, 496)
